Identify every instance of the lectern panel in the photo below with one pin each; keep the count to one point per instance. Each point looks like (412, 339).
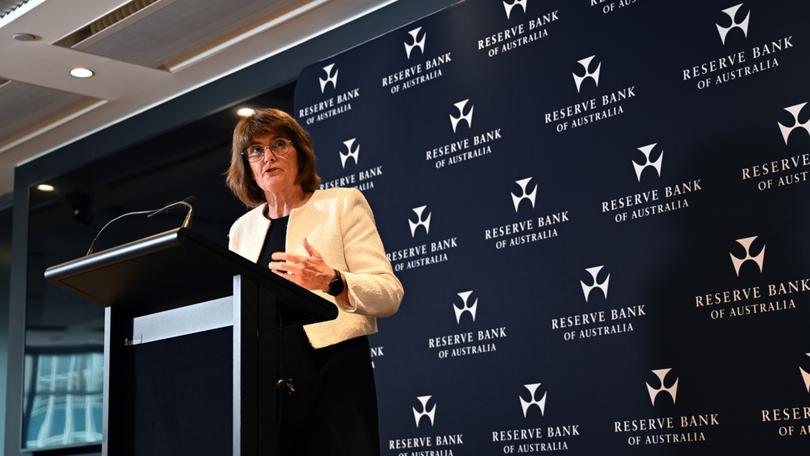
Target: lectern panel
(191, 319)
(183, 388)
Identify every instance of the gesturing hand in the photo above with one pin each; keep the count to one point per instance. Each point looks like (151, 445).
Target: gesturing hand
(310, 272)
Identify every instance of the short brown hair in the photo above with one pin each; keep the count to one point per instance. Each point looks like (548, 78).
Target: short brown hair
(269, 122)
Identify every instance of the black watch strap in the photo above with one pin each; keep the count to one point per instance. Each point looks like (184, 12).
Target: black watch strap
(336, 286)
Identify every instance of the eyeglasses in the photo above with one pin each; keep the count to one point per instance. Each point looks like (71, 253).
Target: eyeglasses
(279, 148)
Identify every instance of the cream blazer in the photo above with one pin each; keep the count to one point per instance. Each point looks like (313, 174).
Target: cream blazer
(339, 224)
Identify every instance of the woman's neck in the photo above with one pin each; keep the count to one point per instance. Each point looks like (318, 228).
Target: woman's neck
(282, 203)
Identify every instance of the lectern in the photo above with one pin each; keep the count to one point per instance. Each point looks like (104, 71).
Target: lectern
(190, 344)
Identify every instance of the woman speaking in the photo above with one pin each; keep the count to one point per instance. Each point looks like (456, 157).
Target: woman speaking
(325, 241)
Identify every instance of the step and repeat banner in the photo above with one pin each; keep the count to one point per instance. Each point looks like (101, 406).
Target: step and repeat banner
(599, 211)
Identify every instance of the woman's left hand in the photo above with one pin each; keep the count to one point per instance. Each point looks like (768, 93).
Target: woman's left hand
(310, 272)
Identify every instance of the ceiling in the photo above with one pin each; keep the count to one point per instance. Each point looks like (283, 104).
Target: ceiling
(143, 53)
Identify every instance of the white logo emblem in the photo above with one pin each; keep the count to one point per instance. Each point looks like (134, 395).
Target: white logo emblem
(431, 414)
(541, 404)
(738, 262)
(523, 183)
(468, 117)
(330, 77)
(731, 12)
(656, 165)
(466, 307)
(586, 62)
(509, 6)
(654, 392)
(423, 222)
(420, 44)
(806, 377)
(794, 110)
(594, 272)
(352, 152)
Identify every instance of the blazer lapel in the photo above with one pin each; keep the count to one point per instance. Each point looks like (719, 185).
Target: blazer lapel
(257, 231)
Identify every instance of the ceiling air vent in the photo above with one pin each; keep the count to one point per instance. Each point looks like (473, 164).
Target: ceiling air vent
(173, 34)
(104, 22)
(8, 6)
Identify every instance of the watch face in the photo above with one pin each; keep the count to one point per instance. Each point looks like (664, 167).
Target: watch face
(333, 288)
(336, 285)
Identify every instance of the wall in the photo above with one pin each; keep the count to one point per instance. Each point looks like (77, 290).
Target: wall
(598, 213)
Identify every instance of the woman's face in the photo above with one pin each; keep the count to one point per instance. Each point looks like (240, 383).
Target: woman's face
(275, 172)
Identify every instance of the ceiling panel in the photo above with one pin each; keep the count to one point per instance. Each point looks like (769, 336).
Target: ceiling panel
(202, 40)
(28, 107)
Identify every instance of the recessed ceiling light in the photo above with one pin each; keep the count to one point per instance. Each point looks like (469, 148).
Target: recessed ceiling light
(25, 37)
(45, 188)
(80, 72)
(245, 112)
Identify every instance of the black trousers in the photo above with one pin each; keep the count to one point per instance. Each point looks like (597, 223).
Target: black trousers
(333, 408)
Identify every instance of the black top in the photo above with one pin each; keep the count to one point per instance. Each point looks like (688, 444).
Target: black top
(274, 241)
(326, 398)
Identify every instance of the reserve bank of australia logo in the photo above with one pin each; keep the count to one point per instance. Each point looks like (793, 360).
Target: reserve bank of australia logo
(508, 6)
(352, 151)
(787, 130)
(466, 306)
(586, 64)
(463, 114)
(525, 194)
(422, 411)
(656, 165)
(759, 259)
(603, 286)
(806, 377)
(420, 43)
(331, 77)
(424, 222)
(731, 12)
(533, 401)
(654, 392)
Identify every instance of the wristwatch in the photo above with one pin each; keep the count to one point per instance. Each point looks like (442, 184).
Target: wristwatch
(336, 285)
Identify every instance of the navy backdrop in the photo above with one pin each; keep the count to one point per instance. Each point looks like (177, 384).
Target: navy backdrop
(599, 214)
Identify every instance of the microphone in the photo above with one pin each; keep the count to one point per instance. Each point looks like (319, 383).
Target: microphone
(149, 213)
(92, 247)
(187, 202)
